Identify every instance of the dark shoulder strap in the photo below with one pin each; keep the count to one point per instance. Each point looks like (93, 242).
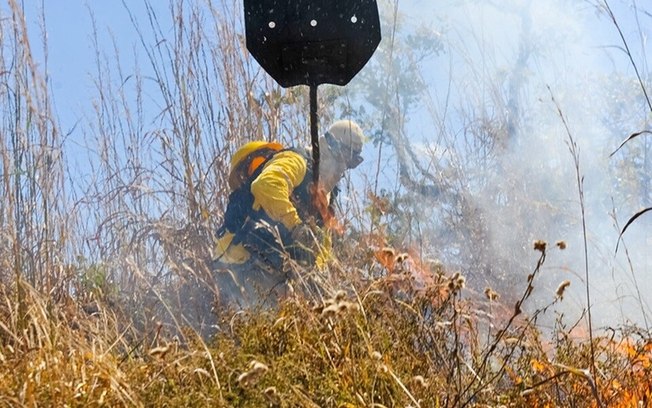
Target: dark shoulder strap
(241, 201)
(251, 165)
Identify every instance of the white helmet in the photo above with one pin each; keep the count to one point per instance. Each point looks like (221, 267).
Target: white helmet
(345, 139)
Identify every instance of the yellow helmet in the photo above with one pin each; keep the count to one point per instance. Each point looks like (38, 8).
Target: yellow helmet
(244, 151)
(247, 158)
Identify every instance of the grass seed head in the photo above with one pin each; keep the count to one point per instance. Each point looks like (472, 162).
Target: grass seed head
(562, 288)
(540, 245)
(340, 295)
(491, 294)
(400, 258)
(258, 367)
(201, 372)
(457, 282)
(245, 379)
(435, 266)
(160, 352)
(512, 341)
(419, 381)
(251, 377)
(329, 311)
(272, 396)
(344, 307)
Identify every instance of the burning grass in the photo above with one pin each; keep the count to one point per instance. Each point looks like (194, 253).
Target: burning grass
(390, 341)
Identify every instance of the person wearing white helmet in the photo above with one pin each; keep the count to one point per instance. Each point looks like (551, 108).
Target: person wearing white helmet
(274, 211)
(340, 150)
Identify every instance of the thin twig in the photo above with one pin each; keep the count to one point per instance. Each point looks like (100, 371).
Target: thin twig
(629, 53)
(574, 150)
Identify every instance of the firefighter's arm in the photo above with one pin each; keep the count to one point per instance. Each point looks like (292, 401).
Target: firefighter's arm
(273, 187)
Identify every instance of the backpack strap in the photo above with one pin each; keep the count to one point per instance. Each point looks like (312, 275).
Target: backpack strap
(244, 170)
(240, 204)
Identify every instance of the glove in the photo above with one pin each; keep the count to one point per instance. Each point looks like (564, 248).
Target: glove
(304, 246)
(303, 234)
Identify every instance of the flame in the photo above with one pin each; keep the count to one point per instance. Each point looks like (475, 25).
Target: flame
(320, 201)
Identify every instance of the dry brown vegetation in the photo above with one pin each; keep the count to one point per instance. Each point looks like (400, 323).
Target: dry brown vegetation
(106, 300)
(393, 341)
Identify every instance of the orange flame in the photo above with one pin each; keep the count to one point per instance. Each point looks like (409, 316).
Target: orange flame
(320, 202)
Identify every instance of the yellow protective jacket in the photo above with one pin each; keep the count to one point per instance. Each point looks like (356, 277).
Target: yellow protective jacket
(272, 191)
(273, 188)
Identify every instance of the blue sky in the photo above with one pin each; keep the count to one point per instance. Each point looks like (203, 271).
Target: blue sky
(71, 55)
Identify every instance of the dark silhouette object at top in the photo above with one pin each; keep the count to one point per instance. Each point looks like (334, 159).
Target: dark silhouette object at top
(312, 42)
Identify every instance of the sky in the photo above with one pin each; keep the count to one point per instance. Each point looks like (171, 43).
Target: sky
(71, 61)
(578, 43)
(71, 54)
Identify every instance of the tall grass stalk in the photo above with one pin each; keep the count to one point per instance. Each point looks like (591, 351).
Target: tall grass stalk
(575, 153)
(628, 52)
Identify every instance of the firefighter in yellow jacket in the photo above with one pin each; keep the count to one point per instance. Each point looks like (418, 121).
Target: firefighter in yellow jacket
(273, 209)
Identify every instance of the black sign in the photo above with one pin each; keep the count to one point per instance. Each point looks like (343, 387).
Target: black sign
(312, 42)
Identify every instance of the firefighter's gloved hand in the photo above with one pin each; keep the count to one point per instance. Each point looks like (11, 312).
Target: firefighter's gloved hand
(303, 234)
(304, 246)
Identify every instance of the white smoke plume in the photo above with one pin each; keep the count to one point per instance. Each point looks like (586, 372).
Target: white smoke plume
(537, 67)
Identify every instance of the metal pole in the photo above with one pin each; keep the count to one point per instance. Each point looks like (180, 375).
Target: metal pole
(314, 135)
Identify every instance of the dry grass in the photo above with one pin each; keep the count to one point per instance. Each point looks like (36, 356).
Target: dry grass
(393, 341)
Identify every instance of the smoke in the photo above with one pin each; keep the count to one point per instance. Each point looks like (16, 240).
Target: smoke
(552, 74)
